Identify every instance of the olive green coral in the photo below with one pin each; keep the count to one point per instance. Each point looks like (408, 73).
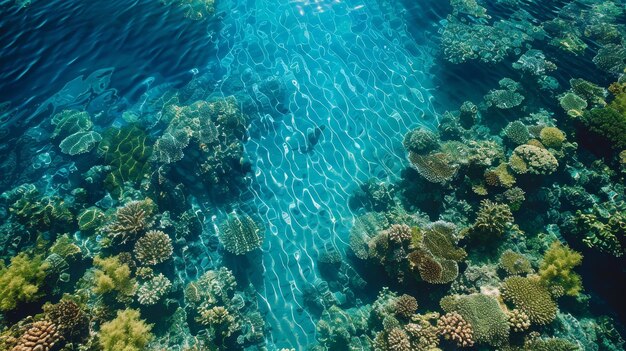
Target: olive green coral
(112, 275)
(492, 219)
(514, 263)
(21, 281)
(127, 332)
(557, 266)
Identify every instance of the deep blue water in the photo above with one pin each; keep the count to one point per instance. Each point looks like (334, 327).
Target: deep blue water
(365, 70)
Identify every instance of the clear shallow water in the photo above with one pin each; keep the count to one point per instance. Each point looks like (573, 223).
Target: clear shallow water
(365, 71)
(350, 71)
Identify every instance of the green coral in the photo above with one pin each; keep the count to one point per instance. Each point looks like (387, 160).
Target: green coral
(573, 104)
(492, 220)
(38, 212)
(514, 263)
(68, 122)
(530, 296)
(90, 219)
(436, 253)
(557, 266)
(552, 137)
(127, 332)
(608, 123)
(593, 94)
(21, 281)
(420, 140)
(126, 151)
(603, 227)
(517, 132)
(65, 247)
(111, 275)
(489, 323)
(240, 234)
(80, 142)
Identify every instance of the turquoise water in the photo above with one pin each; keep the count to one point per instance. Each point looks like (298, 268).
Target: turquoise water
(324, 93)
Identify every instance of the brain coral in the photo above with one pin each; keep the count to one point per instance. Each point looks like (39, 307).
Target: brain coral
(530, 297)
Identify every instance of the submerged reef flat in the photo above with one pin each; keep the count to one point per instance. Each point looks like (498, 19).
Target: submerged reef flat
(336, 176)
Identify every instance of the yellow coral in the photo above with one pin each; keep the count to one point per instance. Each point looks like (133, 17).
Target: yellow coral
(552, 137)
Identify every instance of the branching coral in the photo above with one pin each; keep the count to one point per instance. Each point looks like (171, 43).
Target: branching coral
(405, 306)
(452, 326)
(518, 320)
(240, 234)
(151, 291)
(127, 332)
(69, 318)
(492, 219)
(21, 281)
(130, 221)
(112, 275)
(557, 268)
(530, 296)
(153, 248)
